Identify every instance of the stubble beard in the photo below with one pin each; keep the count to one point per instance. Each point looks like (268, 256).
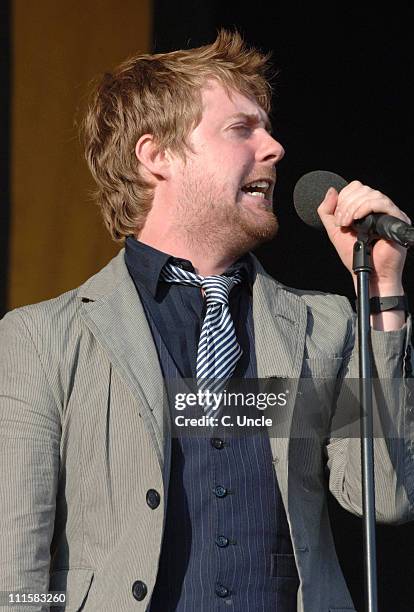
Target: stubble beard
(211, 221)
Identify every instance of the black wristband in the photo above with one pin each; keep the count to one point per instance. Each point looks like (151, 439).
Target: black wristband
(390, 302)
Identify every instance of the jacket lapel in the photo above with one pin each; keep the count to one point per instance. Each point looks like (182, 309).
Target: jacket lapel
(280, 323)
(114, 313)
(280, 319)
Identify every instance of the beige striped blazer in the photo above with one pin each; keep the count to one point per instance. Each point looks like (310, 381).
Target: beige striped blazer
(83, 436)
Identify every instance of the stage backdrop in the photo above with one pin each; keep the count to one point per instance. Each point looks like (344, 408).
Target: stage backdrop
(57, 238)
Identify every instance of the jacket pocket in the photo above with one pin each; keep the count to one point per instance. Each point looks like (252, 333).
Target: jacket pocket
(76, 583)
(321, 367)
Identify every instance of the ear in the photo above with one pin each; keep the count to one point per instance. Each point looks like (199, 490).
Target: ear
(153, 159)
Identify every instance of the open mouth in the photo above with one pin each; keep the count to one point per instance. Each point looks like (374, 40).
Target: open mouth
(259, 189)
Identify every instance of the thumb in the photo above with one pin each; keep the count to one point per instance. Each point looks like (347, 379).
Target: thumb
(327, 208)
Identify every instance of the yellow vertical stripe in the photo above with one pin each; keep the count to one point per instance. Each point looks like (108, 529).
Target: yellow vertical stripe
(57, 237)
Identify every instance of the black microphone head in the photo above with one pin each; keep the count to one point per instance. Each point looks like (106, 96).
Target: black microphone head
(309, 192)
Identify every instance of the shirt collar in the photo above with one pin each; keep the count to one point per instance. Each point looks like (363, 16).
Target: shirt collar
(145, 264)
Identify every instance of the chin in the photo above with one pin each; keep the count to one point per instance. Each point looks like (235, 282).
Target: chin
(248, 236)
(263, 229)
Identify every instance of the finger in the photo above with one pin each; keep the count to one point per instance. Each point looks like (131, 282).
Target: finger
(363, 206)
(354, 187)
(380, 207)
(355, 195)
(349, 196)
(327, 208)
(328, 204)
(345, 201)
(351, 187)
(367, 207)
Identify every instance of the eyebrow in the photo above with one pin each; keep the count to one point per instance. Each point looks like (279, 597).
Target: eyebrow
(253, 119)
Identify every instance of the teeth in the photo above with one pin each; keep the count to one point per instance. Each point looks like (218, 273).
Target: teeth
(260, 184)
(257, 193)
(262, 187)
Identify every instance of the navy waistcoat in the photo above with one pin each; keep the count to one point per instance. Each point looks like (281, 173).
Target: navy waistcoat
(226, 542)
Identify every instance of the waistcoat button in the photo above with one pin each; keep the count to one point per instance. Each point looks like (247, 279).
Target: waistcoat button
(222, 541)
(220, 491)
(221, 590)
(217, 443)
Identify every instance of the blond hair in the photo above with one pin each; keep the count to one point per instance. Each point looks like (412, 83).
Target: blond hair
(159, 94)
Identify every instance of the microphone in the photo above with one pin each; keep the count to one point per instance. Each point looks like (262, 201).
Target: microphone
(311, 189)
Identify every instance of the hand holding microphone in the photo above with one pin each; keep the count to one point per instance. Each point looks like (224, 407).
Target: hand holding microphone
(311, 189)
(319, 204)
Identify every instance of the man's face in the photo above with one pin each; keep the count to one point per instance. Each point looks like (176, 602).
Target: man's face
(224, 190)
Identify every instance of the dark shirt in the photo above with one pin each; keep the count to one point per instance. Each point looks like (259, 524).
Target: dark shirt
(178, 310)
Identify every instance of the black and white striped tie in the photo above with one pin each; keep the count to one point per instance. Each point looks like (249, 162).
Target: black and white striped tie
(218, 348)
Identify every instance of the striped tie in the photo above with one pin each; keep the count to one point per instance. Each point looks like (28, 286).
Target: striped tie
(218, 349)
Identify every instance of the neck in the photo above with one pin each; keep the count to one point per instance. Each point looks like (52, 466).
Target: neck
(206, 262)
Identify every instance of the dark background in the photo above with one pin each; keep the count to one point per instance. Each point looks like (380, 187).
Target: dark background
(342, 103)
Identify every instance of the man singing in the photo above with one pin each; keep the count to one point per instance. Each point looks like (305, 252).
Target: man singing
(98, 498)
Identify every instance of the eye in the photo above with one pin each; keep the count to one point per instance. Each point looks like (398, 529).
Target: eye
(243, 128)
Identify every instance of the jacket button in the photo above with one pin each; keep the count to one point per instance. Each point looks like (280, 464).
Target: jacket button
(220, 491)
(222, 541)
(139, 590)
(221, 590)
(217, 443)
(153, 498)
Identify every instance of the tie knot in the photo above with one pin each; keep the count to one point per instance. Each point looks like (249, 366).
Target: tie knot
(216, 288)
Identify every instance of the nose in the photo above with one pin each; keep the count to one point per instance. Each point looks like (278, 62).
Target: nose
(269, 150)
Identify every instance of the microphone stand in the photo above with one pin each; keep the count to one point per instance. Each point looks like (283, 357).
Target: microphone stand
(362, 266)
